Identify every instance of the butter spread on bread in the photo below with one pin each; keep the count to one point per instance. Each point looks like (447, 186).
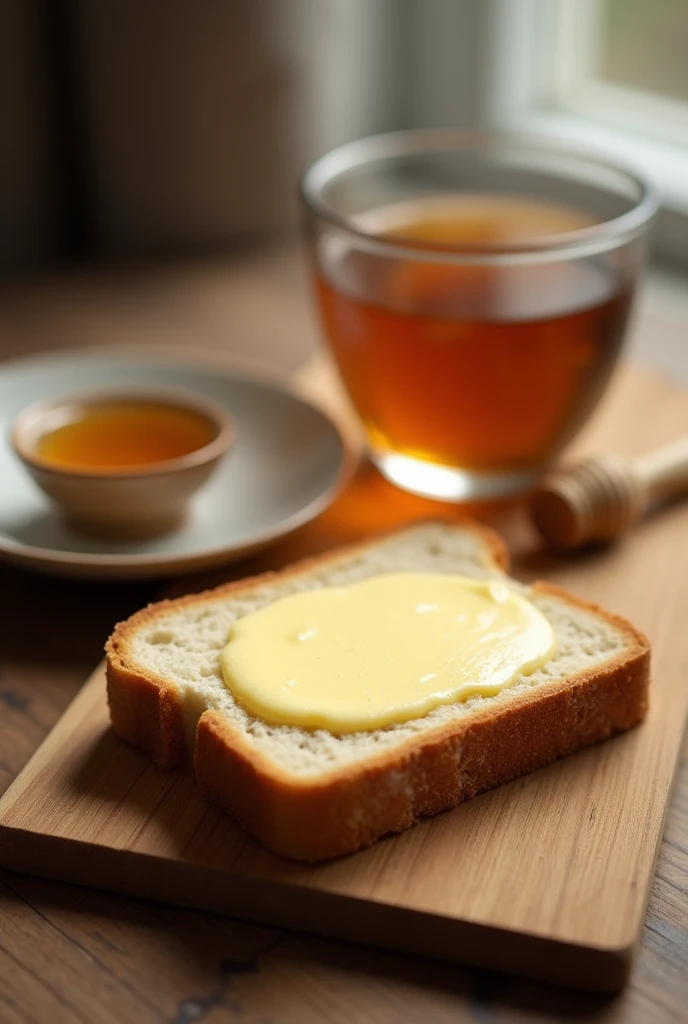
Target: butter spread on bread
(311, 794)
(386, 650)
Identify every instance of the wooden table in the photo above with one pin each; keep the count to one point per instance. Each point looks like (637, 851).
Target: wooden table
(70, 954)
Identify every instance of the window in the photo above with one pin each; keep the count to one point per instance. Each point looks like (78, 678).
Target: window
(643, 45)
(624, 62)
(608, 75)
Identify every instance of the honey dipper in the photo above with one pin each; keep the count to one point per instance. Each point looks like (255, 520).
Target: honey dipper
(601, 497)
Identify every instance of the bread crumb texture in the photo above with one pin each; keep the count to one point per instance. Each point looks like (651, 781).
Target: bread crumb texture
(182, 645)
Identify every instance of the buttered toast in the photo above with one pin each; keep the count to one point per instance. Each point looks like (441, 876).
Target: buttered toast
(312, 794)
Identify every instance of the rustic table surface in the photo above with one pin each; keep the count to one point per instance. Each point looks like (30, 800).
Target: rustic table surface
(72, 954)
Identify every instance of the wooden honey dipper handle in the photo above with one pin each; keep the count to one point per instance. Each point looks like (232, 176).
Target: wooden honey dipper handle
(601, 497)
(665, 471)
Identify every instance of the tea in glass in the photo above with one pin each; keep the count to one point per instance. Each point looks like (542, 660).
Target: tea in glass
(474, 330)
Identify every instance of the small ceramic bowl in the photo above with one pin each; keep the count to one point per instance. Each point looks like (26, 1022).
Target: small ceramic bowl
(128, 501)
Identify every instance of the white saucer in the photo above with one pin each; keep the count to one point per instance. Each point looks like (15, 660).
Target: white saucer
(288, 464)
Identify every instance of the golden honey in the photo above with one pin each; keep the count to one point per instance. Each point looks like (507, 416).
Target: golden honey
(125, 434)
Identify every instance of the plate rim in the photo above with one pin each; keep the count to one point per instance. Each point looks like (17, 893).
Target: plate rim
(235, 367)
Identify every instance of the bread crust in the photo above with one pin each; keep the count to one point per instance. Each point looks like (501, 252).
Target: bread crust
(351, 806)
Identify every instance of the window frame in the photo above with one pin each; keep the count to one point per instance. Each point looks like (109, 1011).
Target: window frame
(510, 67)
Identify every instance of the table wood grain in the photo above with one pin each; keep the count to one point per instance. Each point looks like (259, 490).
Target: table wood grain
(73, 954)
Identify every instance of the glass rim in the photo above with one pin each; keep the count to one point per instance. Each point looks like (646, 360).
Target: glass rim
(600, 237)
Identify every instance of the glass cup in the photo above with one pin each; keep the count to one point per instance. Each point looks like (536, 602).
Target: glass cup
(474, 289)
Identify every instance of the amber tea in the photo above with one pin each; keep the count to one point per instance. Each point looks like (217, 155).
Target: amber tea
(482, 367)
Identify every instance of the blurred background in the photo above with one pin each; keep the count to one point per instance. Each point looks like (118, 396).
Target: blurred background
(151, 148)
(135, 128)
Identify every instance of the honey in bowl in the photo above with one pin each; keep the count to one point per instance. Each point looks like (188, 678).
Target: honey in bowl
(121, 435)
(485, 367)
(123, 465)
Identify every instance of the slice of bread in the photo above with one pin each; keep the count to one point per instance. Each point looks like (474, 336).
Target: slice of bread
(310, 794)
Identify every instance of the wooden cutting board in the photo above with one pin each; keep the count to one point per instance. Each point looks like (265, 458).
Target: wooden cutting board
(547, 877)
